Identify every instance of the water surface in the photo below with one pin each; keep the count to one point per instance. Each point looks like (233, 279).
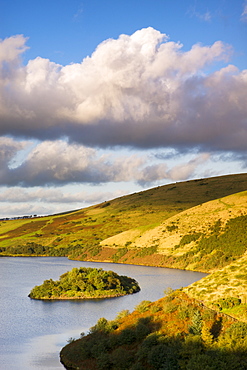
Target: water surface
(33, 332)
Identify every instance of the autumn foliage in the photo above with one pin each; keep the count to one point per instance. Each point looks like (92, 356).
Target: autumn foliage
(175, 332)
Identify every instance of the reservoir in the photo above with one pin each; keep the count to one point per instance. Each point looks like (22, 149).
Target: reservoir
(33, 332)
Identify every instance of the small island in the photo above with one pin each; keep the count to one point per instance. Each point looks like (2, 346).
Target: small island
(85, 283)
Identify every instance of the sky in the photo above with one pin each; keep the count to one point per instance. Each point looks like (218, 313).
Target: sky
(99, 99)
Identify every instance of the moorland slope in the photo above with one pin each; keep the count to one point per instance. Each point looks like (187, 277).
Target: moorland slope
(175, 332)
(80, 234)
(196, 225)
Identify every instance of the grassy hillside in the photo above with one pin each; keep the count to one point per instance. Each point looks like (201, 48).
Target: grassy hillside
(175, 332)
(78, 234)
(196, 225)
(225, 289)
(202, 238)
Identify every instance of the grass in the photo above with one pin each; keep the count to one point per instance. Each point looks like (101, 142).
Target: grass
(171, 226)
(138, 210)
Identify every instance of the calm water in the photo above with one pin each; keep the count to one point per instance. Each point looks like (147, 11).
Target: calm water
(33, 332)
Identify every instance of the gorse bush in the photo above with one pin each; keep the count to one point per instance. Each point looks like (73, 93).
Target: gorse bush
(120, 253)
(143, 306)
(228, 302)
(147, 251)
(188, 238)
(221, 247)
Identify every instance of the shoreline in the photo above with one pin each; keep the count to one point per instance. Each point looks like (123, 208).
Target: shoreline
(82, 298)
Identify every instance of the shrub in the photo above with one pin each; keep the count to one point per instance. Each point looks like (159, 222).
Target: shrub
(170, 307)
(121, 358)
(102, 325)
(127, 336)
(229, 302)
(122, 314)
(143, 306)
(171, 228)
(186, 239)
(155, 309)
(196, 326)
(119, 254)
(147, 251)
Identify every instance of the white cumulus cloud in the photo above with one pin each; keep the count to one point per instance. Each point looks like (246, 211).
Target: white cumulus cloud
(140, 90)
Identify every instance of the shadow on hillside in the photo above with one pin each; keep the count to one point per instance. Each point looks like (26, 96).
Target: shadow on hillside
(142, 345)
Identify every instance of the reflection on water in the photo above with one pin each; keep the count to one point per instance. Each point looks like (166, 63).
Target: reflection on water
(33, 332)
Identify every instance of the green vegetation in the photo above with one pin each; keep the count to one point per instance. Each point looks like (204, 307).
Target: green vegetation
(120, 253)
(197, 225)
(222, 246)
(85, 283)
(155, 337)
(80, 234)
(188, 238)
(225, 289)
(147, 251)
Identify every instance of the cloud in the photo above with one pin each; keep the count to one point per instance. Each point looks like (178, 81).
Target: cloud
(52, 195)
(8, 150)
(187, 170)
(16, 201)
(23, 209)
(11, 48)
(205, 16)
(57, 163)
(240, 157)
(140, 91)
(244, 13)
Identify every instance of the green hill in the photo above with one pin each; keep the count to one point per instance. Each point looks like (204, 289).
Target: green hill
(202, 238)
(79, 234)
(195, 225)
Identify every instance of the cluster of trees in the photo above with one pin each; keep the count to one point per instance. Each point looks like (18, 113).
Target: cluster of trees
(226, 243)
(85, 283)
(119, 254)
(34, 249)
(183, 336)
(17, 217)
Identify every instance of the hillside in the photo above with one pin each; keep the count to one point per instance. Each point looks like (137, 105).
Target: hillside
(202, 238)
(175, 332)
(78, 234)
(195, 225)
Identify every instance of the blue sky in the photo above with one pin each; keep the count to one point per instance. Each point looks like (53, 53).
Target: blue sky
(67, 31)
(104, 98)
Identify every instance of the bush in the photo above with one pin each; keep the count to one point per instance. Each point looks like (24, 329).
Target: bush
(143, 306)
(225, 303)
(102, 325)
(238, 331)
(187, 239)
(147, 251)
(122, 314)
(127, 336)
(196, 326)
(119, 254)
(122, 359)
(170, 307)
